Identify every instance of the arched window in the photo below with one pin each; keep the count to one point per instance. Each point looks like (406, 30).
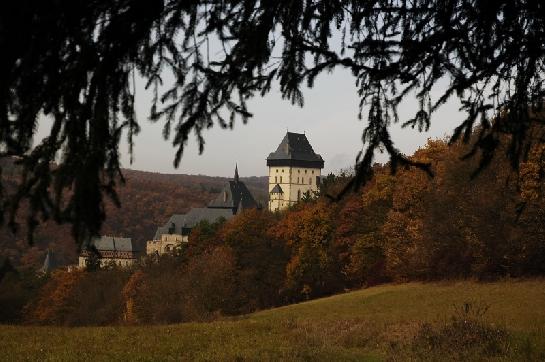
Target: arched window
(298, 195)
(276, 178)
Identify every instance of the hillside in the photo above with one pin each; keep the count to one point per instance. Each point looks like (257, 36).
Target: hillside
(407, 321)
(148, 199)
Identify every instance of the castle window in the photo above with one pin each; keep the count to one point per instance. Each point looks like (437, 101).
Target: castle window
(297, 179)
(282, 170)
(313, 172)
(305, 171)
(280, 179)
(298, 195)
(276, 170)
(275, 178)
(298, 171)
(310, 180)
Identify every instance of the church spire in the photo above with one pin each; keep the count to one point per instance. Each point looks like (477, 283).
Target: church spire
(236, 172)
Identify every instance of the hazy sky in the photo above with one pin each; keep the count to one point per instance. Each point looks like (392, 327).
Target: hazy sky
(329, 119)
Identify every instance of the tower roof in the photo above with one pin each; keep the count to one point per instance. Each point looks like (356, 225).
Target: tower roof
(295, 150)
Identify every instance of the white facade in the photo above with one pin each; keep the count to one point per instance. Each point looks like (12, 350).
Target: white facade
(294, 182)
(166, 244)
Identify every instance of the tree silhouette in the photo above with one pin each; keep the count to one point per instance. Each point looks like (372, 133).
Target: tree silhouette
(75, 61)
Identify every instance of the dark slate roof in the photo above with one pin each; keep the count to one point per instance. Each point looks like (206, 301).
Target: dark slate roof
(277, 189)
(295, 150)
(196, 215)
(235, 196)
(114, 243)
(173, 226)
(178, 222)
(234, 193)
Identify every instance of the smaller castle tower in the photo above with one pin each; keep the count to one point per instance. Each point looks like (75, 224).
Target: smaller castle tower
(294, 169)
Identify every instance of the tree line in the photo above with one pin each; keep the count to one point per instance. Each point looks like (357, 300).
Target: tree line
(400, 227)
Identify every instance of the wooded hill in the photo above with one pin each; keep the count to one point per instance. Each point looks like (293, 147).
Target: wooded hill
(148, 199)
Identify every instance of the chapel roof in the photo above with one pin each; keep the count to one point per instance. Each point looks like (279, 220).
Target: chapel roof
(234, 194)
(233, 198)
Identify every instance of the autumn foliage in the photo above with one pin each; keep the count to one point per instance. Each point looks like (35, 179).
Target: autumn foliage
(399, 227)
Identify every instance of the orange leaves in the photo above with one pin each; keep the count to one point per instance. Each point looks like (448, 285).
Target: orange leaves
(308, 232)
(55, 298)
(531, 174)
(313, 224)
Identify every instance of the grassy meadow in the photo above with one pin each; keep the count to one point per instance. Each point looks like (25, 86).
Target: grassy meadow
(417, 321)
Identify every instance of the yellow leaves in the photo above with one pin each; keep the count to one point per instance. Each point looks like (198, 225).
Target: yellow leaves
(531, 174)
(382, 189)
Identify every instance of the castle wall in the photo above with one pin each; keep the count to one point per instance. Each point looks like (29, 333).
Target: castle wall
(166, 244)
(104, 262)
(294, 181)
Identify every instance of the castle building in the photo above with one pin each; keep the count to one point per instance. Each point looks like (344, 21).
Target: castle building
(111, 250)
(294, 170)
(233, 198)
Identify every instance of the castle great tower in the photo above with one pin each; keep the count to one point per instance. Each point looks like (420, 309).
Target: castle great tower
(294, 169)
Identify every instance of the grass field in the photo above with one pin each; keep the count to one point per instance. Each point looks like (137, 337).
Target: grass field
(435, 321)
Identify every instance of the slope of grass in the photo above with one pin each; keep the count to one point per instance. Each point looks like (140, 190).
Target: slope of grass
(399, 322)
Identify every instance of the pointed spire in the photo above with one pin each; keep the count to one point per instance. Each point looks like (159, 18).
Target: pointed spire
(236, 172)
(48, 262)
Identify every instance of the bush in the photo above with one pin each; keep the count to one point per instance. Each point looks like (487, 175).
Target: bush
(79, 298)
(171, 292)
(466, 336)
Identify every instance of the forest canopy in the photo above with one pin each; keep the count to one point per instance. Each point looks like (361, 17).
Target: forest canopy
(76, 61)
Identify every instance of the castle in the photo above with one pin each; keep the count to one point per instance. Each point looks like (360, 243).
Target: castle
(234, 198)
(294, 170)
(110, 250)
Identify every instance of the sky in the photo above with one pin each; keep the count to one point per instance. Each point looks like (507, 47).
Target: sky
(328, 118)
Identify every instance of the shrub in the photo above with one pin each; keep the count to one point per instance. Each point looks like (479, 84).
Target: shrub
(466, 336)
